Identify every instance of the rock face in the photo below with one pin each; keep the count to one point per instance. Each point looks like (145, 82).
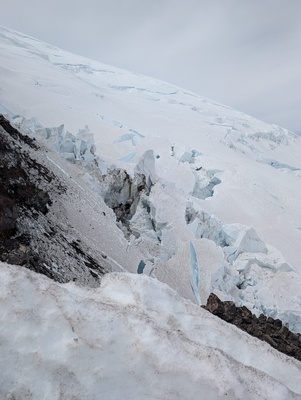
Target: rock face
(265, 328)
(31, 235)
(122, 194)
(8, 216)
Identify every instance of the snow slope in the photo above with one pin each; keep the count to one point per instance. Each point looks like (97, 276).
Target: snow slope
(224, 186)
(132, 337)
(168, 184)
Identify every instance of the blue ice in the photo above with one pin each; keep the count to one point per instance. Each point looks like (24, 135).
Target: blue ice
(128, 157)
(194, 265)
(141, 267)
(132, 135)
(196, 294)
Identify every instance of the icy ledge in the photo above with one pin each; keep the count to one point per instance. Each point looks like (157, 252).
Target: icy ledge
(133, 337)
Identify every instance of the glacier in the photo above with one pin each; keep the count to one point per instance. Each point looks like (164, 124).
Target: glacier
(220, 169)
(170, 185)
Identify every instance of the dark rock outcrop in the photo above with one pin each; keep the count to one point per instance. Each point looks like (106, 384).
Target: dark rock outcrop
(30, 235)
(265, 328)
(122, 193)
(8, 216)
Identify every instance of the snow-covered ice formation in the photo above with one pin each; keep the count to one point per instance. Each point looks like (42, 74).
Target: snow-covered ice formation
(171, 151)
(189, 150)
(196, 194)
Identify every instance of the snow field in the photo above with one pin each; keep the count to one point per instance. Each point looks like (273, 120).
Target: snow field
(134, 337)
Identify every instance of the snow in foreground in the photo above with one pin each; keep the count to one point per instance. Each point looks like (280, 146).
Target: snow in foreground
(131, 338)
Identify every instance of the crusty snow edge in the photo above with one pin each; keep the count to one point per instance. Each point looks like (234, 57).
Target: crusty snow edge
(131, 337)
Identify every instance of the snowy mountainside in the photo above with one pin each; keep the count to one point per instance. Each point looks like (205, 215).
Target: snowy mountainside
(160, 182)
(132, 332)
(203, 194)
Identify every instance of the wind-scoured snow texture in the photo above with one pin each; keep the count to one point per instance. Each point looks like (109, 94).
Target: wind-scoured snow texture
(133, 337)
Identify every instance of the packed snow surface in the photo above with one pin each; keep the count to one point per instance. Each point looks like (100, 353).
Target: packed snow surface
(133, 337)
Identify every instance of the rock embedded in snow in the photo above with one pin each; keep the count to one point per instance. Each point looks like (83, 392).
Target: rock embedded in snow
(265, 328)
(32, 226)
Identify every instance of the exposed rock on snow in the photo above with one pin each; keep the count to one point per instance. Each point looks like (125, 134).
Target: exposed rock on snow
(120, 191)
(122, 194)
(265, 328)
(31, 234)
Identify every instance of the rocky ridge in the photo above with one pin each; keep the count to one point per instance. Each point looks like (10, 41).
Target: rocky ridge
(264, 328)
(31, 232)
